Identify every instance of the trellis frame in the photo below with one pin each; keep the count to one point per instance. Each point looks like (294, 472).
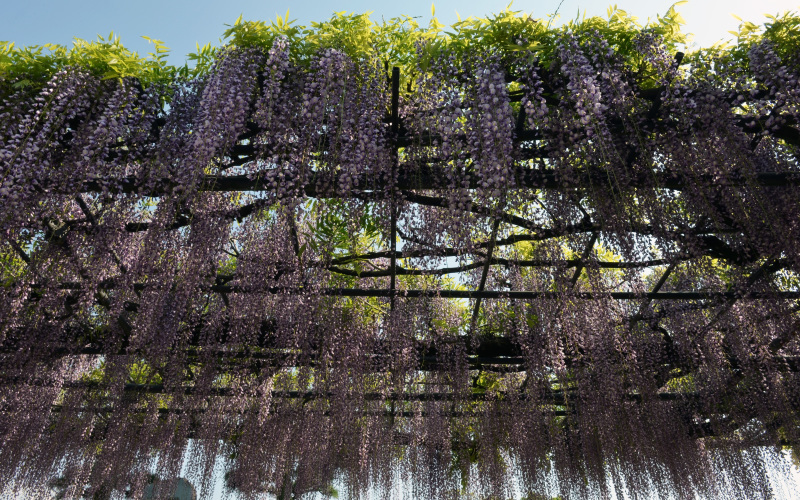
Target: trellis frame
(482, 353)
(413, 179)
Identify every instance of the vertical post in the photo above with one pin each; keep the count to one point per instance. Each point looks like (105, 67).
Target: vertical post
(484, 274)
(395, 104)
(646, 302)
(393, 208)
(586, 253)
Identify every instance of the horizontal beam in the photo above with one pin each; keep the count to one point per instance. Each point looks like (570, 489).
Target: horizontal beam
(163, 412)
(469, 294)
(553, 397)
(414, 177)
(499, 294)
(494, 261)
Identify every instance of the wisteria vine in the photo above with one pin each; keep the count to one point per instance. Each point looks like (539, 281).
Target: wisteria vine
(593, 282)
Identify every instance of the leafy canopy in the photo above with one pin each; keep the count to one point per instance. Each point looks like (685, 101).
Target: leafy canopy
(398, 42)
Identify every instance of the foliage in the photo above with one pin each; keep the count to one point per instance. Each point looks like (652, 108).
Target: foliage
(106, 57)
(396, 41)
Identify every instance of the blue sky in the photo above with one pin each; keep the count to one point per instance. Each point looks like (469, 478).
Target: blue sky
(183, 23)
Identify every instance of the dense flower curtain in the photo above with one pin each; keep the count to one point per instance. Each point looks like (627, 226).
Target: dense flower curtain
(495, 272)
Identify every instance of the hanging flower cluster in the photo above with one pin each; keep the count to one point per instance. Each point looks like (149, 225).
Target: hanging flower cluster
(558, 273)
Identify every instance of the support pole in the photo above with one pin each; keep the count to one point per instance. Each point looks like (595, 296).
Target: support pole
(393, 206)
